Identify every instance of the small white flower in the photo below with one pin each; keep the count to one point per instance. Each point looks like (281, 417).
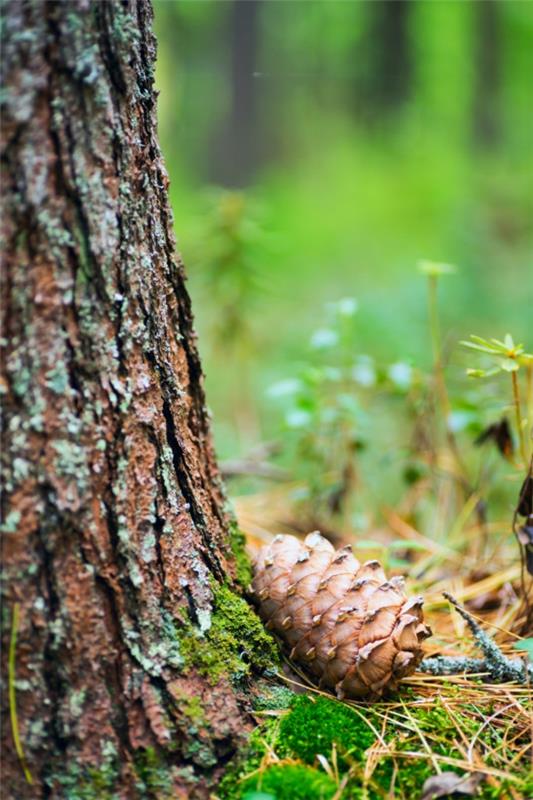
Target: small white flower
(347, 306)
(364, 373)
(285, 388)
(401, 374)
(324, 337)
(297, 418)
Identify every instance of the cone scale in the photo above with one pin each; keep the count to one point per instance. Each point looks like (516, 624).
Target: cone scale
(343, 622)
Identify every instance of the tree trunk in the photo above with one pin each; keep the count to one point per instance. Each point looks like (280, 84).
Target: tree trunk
(117, 551)
(387, 83)
(486, 127)
(238, 144)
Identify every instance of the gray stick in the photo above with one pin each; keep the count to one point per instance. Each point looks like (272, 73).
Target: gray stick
(499, 667)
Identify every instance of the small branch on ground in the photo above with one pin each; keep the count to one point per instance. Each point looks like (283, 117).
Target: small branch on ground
(495, 663)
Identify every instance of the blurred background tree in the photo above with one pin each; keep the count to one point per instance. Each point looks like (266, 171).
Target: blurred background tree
(362, 136)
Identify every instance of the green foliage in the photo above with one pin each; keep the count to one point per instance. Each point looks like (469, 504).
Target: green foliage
(348, 205)
(506, 356)
(235, 643)
(227, 249)
(316, 725)
(325, 421)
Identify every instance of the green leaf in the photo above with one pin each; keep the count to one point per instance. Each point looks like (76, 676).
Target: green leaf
(483, 373)
(479, 339)
(500, 345)
(482, 348)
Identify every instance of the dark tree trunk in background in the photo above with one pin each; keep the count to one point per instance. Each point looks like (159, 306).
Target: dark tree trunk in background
(487, 52)
(236, 147)
(114, 533)
(387, 84)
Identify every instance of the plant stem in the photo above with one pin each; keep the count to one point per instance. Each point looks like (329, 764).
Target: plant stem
(529, 397)
(518, 413)
(440, 381)
(434, 319)
(11, 692)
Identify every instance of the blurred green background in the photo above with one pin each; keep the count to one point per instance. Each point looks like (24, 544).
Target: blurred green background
(317, 151)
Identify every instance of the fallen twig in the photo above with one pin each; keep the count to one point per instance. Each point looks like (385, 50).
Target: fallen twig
(501, 668)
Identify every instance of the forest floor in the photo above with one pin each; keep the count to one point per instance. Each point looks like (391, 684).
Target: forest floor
(436, 735)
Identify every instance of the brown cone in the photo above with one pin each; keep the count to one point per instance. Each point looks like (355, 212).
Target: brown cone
(344, 622)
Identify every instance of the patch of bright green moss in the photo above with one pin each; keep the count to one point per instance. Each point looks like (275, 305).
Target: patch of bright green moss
(315, 724)
(248, 760)
(243, 566)
(235, 643)
(290, 782)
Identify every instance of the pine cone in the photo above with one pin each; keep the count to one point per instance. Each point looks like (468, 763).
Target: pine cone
(346, 624)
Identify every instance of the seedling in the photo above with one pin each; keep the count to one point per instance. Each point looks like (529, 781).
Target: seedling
(507, 357)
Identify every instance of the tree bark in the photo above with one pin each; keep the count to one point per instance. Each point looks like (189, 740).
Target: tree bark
(115, 537)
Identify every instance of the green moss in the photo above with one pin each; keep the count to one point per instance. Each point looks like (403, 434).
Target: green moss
(440, 731)
(316, 724)
(191, 707)
(235, 644)
(153, 777)
(90, 783)
(290, 782)
(243, 567)
(202, 753)
(407, 781)
(273, 698)
(239, 776)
